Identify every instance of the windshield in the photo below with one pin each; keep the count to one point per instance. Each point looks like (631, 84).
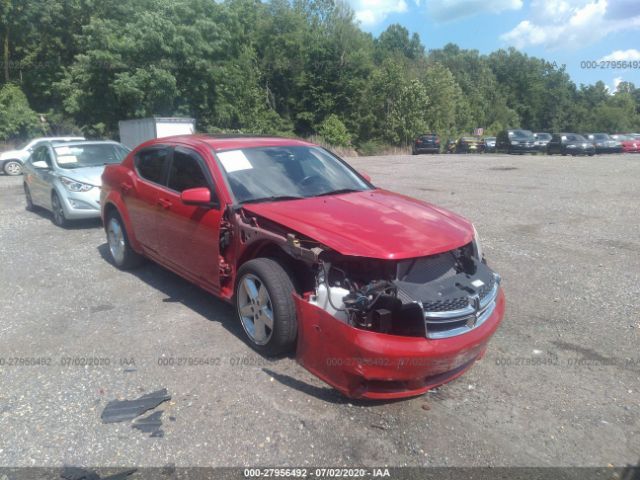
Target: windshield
(543, 136)
(89, 155)
(523, 134)
(284, 173)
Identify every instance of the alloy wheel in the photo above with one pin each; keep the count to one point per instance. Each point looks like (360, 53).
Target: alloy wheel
(13, 168)
(27, 195)
(58, 212)
(255, 309)
(115, 238)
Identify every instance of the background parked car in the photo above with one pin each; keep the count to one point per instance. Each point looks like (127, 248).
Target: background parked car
(450, 146)
(628, 143)
(489, 144)
(66, 178)
(11, 161)
(541, 140)
(603, 143)
(515, 141)
(570, 144)
(469, 145)
(427, 143)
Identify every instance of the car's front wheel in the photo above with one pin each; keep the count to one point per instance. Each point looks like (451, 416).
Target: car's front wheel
(27, 197)
(265, 306)
(13, 168)
(59, 217)
(123, 256)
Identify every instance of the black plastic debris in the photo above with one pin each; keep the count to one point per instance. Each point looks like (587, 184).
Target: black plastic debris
(150, 424)
(76, 473)
(123, 410)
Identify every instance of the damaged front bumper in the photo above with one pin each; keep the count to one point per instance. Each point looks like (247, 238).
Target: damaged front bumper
(368, 364)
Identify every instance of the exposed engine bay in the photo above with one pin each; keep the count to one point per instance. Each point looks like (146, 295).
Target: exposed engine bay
(437, 296)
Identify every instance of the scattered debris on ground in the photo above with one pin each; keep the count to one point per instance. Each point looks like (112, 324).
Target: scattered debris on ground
(123, 410)
(150, 424)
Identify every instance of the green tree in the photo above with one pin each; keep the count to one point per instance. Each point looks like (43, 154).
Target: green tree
(17, 119)
(334, 132)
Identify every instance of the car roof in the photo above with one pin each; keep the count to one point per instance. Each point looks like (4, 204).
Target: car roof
(230, 142)
(69, 137)
(87, 142)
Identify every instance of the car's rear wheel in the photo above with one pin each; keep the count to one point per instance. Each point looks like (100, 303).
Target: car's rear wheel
(27, 197)
(13, 168)
(59, 217)
(265, 306)
(123, 256)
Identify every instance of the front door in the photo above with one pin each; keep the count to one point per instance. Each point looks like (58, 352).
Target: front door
(40, 181)
(189, 234)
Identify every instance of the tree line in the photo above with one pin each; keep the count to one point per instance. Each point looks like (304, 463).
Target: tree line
(289, 67)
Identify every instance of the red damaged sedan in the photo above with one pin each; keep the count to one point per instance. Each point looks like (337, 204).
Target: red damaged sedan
(381, 295)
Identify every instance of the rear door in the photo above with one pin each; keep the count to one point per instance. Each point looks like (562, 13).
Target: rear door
(190, 234)
(140, 194)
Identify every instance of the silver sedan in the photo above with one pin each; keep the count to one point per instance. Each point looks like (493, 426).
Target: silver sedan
(66, 178)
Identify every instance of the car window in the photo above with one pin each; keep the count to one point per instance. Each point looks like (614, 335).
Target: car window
(186, 172)
(35, 146)
(150, 164)
(46, 154)
(260, 173)
(77, 155)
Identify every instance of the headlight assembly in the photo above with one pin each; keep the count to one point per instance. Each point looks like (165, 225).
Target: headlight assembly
(74, 185)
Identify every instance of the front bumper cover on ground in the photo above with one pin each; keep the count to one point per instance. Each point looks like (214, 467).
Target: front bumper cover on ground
(365, 364)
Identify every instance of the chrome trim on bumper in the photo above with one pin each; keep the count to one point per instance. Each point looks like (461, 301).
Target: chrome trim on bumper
(472, 316)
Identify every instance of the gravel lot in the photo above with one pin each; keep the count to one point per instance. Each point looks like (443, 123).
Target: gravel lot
(559, 386)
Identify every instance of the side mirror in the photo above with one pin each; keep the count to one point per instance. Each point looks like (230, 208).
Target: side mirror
(40, 165)
(365, 176)
(200, 196)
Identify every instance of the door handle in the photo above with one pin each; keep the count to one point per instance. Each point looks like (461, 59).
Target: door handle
(126, 187)
(164, 203)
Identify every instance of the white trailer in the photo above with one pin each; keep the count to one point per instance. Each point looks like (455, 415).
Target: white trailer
(135, 132)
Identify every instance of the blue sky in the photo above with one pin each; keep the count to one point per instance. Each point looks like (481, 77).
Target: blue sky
(562, 31)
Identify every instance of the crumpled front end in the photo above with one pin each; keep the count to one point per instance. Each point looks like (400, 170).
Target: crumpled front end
(382, 326)
(384, 330)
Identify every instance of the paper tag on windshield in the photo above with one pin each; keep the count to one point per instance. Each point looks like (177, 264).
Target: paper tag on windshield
(67, 159)
(63, 150)
(234, 160)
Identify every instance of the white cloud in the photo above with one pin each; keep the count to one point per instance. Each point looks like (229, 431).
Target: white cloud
(628, 55)
(569, 23)
(612, 89)
(372, 12)
(443, 10)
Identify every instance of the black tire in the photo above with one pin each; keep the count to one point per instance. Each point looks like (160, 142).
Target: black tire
(13, 168)
(27, 196)
(117, 238)
(279, 287)
(58, 217)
